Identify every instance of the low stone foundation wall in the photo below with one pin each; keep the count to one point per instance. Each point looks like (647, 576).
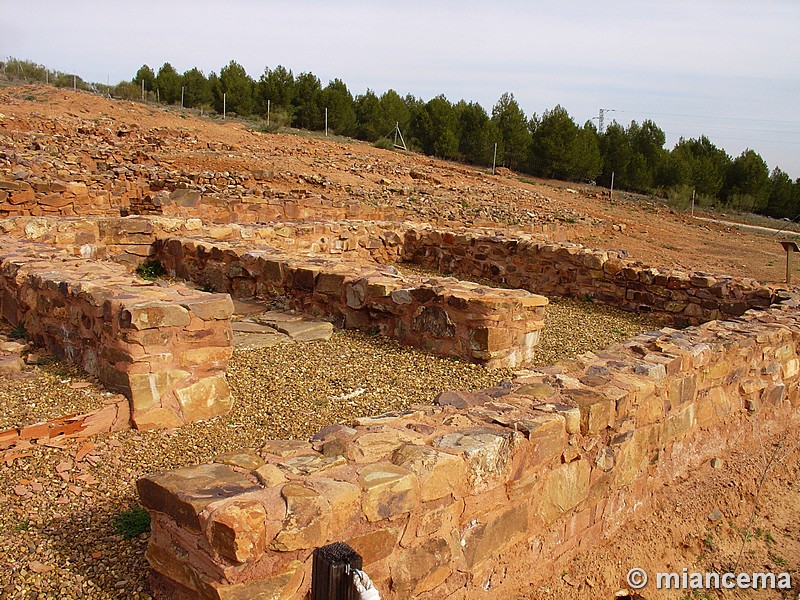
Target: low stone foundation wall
(561, 269)
(444, 316)
(164, 348)
(129, 240)
(446, 499)
(527, 261)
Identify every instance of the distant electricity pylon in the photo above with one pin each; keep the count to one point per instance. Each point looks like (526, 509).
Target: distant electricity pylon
(600, 118)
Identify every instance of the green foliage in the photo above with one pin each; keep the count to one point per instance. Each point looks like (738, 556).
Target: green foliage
(307, 103)
(560, 149)
(512, 127)
(550, 145)
(747, 184)
(196, 89)
(150, 270)
(132, 523)
(168, 83)
(21, 526)
(126, 90)
(232, 90)
(341, 108)
(384, 143)
(278, 119)
(679, 197)
(147, 75)
(18, 332)
(25, 70)
(476, 134)
(278, 87)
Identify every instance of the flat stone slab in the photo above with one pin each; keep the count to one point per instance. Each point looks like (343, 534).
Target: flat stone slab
(254, 341)
(250, 327)
(184, 493)
(306, 331)
(267, 329)
(244, 308)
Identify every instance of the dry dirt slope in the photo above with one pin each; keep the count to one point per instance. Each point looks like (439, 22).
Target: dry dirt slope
(426, 188)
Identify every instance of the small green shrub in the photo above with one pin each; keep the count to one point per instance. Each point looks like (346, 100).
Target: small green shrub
(18, 332)
(132, 523)
(384, 143)
(279, 120)
(150, 270)
(22, 526)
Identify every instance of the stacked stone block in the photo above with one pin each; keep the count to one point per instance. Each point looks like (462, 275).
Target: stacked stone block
(164, 348)
(563, 269)
(447, 317)
(447, 499)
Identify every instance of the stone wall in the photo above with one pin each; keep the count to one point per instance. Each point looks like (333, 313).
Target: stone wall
(42, 197)
(128, 240)
(164, 348)
(446, 499)
(444, 316)
(562, 269)
(527, 261)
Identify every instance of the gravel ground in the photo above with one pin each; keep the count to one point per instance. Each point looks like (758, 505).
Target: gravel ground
(58, 504)
(47, 391)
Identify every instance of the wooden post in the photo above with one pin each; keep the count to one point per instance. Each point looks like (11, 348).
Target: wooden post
(494, 160)
(330, 572)
(791, 248)
(224, 104)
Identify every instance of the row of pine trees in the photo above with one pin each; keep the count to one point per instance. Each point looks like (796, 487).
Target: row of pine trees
(550, 145)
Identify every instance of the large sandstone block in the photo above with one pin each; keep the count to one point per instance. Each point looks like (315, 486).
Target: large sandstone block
(208, 398)
(565, 488)
(237, 530)
(485, 539)
(422, 568)
(597, 411)
(308, 516)
(389, 491)
(184, 493)
(487, 453)
(439, 473)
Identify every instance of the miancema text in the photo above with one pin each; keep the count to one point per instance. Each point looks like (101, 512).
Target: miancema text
(726, 581)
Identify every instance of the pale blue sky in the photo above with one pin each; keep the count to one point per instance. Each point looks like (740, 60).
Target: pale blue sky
(725, 68)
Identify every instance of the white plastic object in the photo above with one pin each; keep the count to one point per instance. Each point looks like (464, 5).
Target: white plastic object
(364, 586)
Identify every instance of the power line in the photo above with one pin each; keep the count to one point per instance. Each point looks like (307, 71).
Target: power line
(647, 112)
(782, 132)
(724, 137)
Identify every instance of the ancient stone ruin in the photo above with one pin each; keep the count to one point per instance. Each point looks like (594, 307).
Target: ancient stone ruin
(451, 497)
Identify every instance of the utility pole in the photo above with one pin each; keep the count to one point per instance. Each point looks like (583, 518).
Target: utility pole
(268, 102)
(224, 105)
(142, 89)
(182, 88)
(601, 118)
(494, 160)
(326, 122)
